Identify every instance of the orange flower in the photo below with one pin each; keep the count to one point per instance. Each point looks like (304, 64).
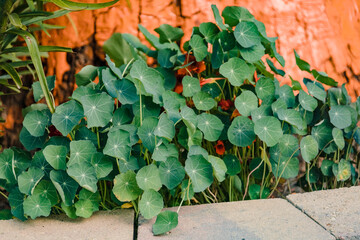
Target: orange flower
(235, 114)
(178, 88)
(196, 67)
(225, 104)
(220, 148)
(190, 103)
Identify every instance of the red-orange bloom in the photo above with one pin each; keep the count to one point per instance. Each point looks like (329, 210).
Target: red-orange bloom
(196, 67)
(178, 88)
(220, 148)
(235, 114)
(225, 104)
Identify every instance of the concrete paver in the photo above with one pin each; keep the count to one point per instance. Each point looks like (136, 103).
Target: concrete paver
(103, 225)
(336, 210)
(250, 220)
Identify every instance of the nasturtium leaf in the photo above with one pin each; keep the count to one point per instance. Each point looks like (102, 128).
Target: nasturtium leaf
(149, 109)
(340, 116)
(150, 204)
(35, 122)
(112, 66)
(169, 75)
(265, 88)
(191, 86)
(167, 57)
(200, 172)
(197, 150)
(295, 85)
(218, 18)
(275, 69)
(148, 177)
(169, 33)
(45, 189)
(172, 103)
(286, 167)
(227, 40)
(232, 164)
(253, 54)
(84, 208)
(67, 116)
(189, 117)
(16, 200)
(65, 185)
(171, 172)
(56, 156)
(203, 101)
(6, 166)
(94, 198)
(292, 117)
(70, 211)
(269, 130)
(83, 91)
(58, 141)
(287, 94)
(210, 125)
(338, 138)
(86, 75)
(219, 167)
(309, 148)
(39, 161)
(30, 142)
(165, 127)
(344, 170)
(198, 47)
(246, 102)
(247, 34)
(260, 112)
(303, 65)
(315, 89)
(209, 30)
(84, 174)
(125, 187)
(235, 70)
(129, 165)
(81, 151)
(241, 132)
(234, 14)
(38, 93)
(165, 222)
(324, 78)
(117, 144)
(217, 56)
(36, 206)
(195, 138)
(28, 180)
(307, 101)
(288, 146)
(131, 129)
(187, 191)
(146, 133)
(323, 135)
(98, 109)
(278, 105)
(326, 167)
(165, 151)
(102, 164)
(122, 116)
(254, 192)
(21, 160)
(83, 133)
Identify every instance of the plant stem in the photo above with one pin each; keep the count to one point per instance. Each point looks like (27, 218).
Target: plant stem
(3, 194)
(248, 178)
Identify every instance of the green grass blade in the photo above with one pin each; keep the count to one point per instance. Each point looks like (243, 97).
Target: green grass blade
(13, 73)
(75, 6)
(41, 49)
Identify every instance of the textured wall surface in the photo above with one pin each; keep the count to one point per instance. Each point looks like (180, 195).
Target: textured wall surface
(326, 33)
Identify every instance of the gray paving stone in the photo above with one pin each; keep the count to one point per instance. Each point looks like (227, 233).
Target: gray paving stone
(250, 220)
(337, 210)
(102, 225)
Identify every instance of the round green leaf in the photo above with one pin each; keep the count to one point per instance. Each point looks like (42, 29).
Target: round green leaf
(165, 222)
(117, 144)
(39, 161)
(307, 102)
(127, 165)
(35, 122)
(56, 156)
(247, 34)
(165, 127)
(198, 47)
(235, 70)
(246, 102)
(6, 166)
(187, 191)
(81, 151)
(253, 54)
(260, 112)
(125, 187)
(122, 116)
(309, 148)
(84, 174)
(265, 88)
(102, 164)
(28, 180)
(83, 133)
(150, 204)
(190, 86)
(234, 14)
(278, 105)
(45, 189)
(269, 130)
(169, 33)
(65, 185)
(292, 117)
(338, 138)
(146, 133)
(209, 30)
(148, 177)
(340, 116)
(165, 151)
(323, 135)
(203, 101)
(171, 173)
(29, 141)
(219, 167)
(67, 116)
(288, 146)
(241, 132)
(254, 192)
(16, 200)
(286, 167)
(315, 89)
(98, 109)
(36, 206)
(94, 198)
(84, 208)
(344, 170)
(70, 211)
(232, 164)
(199, 171)
(210, 125)
(326, 167)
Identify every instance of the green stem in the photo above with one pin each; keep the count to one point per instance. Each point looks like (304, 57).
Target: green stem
(230, 187)
(98, 137)
(141, 113)
(3, 194)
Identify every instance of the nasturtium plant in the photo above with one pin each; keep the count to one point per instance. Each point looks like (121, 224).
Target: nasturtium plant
(207, 122)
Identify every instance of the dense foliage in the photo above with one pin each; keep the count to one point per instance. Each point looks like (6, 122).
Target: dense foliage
(208, 125)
